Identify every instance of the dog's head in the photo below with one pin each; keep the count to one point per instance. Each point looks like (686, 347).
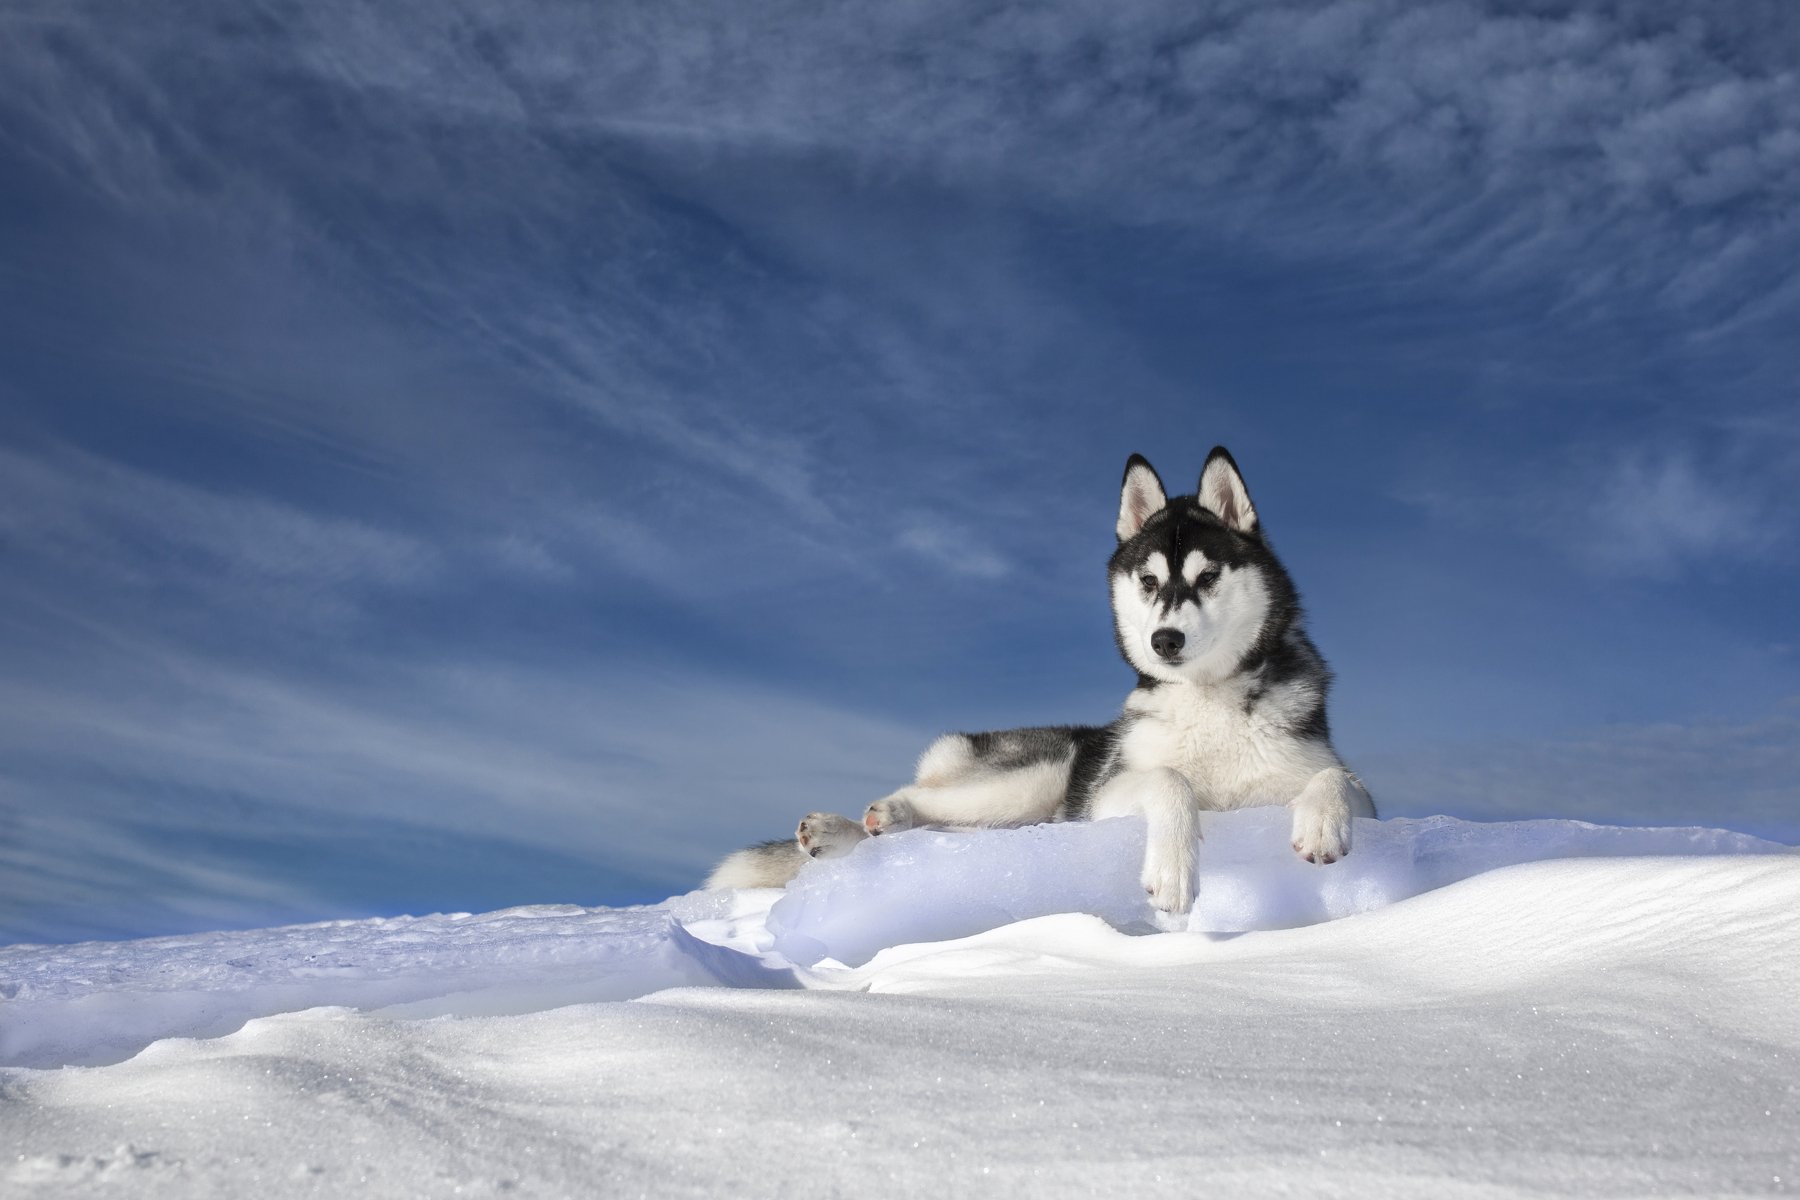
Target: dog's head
(1196, 592)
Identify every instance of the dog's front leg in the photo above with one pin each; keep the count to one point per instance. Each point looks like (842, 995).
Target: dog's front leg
(1323, 812)
(1171, 813)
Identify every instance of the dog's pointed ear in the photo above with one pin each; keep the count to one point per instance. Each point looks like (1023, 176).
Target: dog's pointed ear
(1222, 490)
(1140, 498)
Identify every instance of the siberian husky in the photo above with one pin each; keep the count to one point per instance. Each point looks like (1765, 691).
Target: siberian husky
(1228, 712)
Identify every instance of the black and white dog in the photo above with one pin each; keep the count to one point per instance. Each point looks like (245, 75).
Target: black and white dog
(1228, 712)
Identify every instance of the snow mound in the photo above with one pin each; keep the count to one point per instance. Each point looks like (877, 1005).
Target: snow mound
(929, 886)
(101, 1002)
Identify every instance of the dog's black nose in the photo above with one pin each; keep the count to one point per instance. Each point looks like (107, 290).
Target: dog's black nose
(1167, 642)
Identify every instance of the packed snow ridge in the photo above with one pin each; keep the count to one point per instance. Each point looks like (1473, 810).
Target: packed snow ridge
(100, 1002)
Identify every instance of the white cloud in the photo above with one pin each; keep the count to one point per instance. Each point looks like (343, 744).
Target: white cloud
(636, 767)
(120, 525)
(1643, 510)
(1436, 126)
(62, 855)
(1609, 156)
(955, 549)
(1656, 516)
(1600, 151)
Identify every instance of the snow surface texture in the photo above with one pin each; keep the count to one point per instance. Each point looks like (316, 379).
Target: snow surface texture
(1623, 1027)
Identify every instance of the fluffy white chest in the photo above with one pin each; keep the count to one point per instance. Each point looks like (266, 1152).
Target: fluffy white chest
(1234, 754)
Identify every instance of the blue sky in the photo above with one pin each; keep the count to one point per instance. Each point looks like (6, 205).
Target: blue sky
(456, 456)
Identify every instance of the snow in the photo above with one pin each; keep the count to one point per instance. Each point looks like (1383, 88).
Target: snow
(1596, 1026)
(929, 886)
(100, 1002)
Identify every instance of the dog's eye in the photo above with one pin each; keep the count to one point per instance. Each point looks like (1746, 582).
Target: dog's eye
(1207, 578)
(1148, 583)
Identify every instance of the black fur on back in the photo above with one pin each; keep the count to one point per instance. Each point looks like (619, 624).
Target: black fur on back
(1090, 751)
(1096, 760)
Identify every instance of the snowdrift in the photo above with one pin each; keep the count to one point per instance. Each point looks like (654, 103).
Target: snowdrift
(924, 886)
(99, 1003)
(1583, 1027)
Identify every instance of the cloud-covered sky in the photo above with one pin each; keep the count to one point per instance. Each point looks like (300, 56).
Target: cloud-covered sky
(456, 455)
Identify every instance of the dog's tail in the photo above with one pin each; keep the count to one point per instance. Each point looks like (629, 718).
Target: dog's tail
(764, 865)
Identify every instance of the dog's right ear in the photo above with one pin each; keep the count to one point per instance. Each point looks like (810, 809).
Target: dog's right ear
(1140, 498)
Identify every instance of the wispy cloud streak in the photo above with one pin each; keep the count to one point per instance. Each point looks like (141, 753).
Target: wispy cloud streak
(1496, 143)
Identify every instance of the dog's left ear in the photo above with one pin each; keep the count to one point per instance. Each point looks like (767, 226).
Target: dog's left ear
(1222, 490)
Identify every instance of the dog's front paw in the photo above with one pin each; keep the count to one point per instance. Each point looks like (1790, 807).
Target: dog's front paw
(827, 835)
(889, 816)
(1321, 832)
(1168, 878)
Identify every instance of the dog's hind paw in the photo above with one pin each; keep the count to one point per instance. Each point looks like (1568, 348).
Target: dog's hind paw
(889, 816)
(827, 835)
